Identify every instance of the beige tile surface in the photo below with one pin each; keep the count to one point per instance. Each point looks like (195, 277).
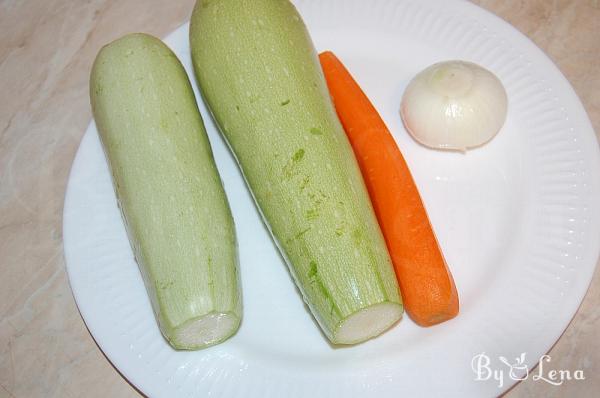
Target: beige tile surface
(46, 50)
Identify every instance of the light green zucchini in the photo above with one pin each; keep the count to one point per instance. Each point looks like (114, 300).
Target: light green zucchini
(259, 73)
(169, 191)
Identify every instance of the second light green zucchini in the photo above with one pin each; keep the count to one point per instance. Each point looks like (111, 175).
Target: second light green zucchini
(258, 71)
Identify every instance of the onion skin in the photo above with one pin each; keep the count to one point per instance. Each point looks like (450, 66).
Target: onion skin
(454, 105)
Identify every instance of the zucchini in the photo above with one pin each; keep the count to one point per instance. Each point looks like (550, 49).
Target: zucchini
(259, 74)
(168, 189)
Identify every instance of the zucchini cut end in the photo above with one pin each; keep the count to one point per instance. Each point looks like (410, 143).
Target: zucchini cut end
(368, 323)
(205, 331)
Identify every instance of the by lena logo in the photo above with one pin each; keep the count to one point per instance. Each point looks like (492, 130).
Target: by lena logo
(517, 370)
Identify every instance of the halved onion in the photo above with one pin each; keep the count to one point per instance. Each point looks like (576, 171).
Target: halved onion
(454, 105)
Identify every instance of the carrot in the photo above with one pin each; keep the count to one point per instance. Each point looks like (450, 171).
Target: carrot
(426, 284)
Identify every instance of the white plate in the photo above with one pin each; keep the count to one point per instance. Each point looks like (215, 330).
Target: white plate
(518, 220)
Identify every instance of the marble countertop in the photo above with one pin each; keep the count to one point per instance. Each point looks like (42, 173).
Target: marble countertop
(46, 50)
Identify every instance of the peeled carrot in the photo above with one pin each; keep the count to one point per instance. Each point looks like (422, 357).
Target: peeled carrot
(426, 284)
